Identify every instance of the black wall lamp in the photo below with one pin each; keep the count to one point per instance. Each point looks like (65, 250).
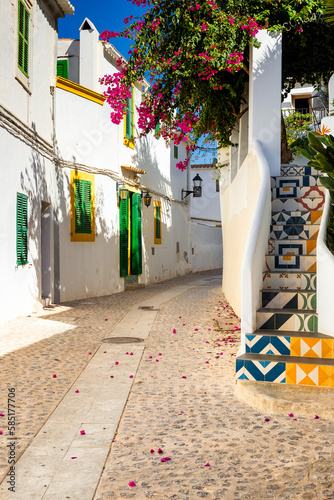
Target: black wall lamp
(197, 188)
(147, 199)
(122, 191)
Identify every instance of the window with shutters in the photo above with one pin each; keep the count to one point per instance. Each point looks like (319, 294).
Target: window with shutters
(157, 221)
(21, 229)
(129, 124)
(23, 38)
(62, 68)
(82, 207)
(176, 152)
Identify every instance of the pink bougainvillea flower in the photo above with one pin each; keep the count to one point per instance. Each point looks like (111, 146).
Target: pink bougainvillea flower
(1, 432)
(131, 376)
(83, 433)
(183, 376)
(294, 419)
(160, 450)
(126, 353)
(160, 353)
(165, 459)
(174, 331)
(151, 451)
(290, 415)
(180, 316)
(104, 352)
(54, 375)
(207, 465)
(209, 329)
(116, 362)
(207, 342)
(111, 376)
(196, 329)
(267, 419)
(218, 345)
(316, 417)
(2, 414)
(89, 353)
(150, 357)
(184, 324)
(132, 483)
(157, 360)
(106, 319)
(77, 391)
(73, 458)
(207, 361)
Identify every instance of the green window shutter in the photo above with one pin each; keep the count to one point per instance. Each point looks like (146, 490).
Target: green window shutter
(123, 236)
(21, 229)
(62, 68)
(23, 38)
(129, 127)
(136, 235)
(83, 206)
(176, 152)
(157, 222)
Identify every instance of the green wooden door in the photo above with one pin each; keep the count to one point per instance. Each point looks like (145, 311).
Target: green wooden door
(136, 234)
(124, 236)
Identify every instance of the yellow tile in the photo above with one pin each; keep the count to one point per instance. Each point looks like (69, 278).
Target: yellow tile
(327, 348)
(287, 189)
(307, 374)
(315, 215)
(313, 268)
(290, 373)
(310, 246)
(294, 347)
(325, 376)
(286, 257)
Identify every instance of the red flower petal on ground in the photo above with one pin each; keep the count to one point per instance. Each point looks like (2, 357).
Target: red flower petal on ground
(174, 331)
(2, 414)
(157, 360)
(82, 433)
(316, 417)
(54, 375)
(73, 458)
(89, 353)
(106, 319)
(77, 391)
(104, 352)
(160, 354)
(184, 324)
(126, 353)
(184, 376)
(150, 357)
(209, 329)
(111, 376)
(267, 419)
(160, 450)
(165, 459)
(131, 376)
(132, 483)
(116, 362)
(180, 316)
(290, 415)
(151, 451)
(207, 465)
(131, 353)
(196, 329)
(1, 432)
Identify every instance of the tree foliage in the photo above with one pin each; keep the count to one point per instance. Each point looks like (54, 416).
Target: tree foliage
(197, 56)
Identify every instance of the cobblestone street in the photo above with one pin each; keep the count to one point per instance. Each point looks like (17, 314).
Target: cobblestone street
(183, 434)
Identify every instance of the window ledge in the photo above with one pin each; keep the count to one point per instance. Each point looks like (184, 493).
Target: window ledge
(23, 80)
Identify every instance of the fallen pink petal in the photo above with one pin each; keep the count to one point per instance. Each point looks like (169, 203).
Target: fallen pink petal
(267, 419)
(196, 329)
(150, 357)
(2, 414)
(106, 319)
(160, 450)
(104, 352)
(151, 451)
(183, 376)
(89, 353)
(54, 375)
(77, 391)
(207, 465)
(73, 458)
(131, 376)
(116, 362)
(82, 433)
(132, 483)
(290, 415)
(131, 353)
(165, 459)
(316, 417)
(1, 432)
(174, 331)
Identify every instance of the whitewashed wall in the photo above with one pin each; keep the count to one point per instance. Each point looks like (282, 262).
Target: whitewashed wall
(208, 205)
(207, 247)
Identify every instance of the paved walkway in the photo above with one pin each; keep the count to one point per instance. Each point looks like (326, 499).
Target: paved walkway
(180, 400)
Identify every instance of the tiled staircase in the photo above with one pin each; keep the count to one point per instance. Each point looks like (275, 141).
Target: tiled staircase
(287, 347)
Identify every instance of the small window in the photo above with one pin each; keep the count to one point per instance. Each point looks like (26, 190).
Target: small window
(217, 186)
(21, 229)
(82, 207)
(157, 222)
(23, 38)
(176, 152)
(62, 68)
(129, 128)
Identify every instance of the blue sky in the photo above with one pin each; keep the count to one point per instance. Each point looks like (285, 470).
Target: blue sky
(104, 14)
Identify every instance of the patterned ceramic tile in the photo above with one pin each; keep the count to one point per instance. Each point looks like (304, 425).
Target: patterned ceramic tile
(287, 170)
(288, 300)
(294, 281)
(292, 189)
(295, 181)
(297, 204)
(265, 344)
(288, 262)
(294, 231)
(303, 374)
(299, 247)
(287, 321)
(260, 370)
(303, 218)
(312, 348)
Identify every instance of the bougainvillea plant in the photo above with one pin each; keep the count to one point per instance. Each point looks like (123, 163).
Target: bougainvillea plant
(196, 55)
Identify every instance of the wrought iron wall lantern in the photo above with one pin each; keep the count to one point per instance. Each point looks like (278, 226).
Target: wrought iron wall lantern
(122, 190)
(147, 198)
(197, 188)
